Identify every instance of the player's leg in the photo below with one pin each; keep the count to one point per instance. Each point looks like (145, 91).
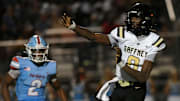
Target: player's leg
(119, 93)
(137, 93)
(106, 90)
(115, 95)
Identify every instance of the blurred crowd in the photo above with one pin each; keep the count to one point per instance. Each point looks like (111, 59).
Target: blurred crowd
(19, 18)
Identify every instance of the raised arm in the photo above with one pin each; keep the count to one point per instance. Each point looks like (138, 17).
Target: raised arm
(70, 24)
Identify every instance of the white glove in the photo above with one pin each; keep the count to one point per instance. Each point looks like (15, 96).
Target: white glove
(72, 26)
(67, 22)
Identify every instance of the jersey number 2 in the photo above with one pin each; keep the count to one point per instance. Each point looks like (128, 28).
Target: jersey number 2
(35, 84)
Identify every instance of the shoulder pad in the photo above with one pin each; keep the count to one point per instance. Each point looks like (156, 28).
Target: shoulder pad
(120, 32)
(15, 65)
(158, 41)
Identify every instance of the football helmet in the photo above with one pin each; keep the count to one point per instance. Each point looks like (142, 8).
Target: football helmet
(37, 49)
(142, 11)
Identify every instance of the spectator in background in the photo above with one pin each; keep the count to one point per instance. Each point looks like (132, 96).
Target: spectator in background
(9, 20)
(29, 15)
(0, 87)
(160, 87)
(174, 83)
(107, 72)
(107, 75)
(78, 86)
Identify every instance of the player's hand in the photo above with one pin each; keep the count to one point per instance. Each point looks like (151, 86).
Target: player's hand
(67, 22)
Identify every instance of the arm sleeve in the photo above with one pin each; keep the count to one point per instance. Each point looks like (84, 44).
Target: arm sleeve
(14, 73)
(52, 71)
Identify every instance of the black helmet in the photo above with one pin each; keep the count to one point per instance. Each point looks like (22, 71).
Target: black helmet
(142, 11)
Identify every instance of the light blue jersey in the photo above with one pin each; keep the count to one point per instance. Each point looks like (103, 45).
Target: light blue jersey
(32, 79)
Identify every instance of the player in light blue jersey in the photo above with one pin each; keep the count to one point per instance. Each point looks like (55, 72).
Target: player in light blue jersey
(32, 73)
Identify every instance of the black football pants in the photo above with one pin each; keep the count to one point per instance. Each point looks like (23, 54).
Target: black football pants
(130, 93)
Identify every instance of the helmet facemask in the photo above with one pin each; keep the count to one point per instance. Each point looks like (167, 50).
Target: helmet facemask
(37, 52)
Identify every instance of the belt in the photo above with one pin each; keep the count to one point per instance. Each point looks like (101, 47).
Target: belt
(123, 83)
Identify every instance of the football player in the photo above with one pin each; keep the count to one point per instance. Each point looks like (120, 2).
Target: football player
(32, 73)
(139, 47)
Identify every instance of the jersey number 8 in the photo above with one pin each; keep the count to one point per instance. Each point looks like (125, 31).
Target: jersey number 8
(133, 62)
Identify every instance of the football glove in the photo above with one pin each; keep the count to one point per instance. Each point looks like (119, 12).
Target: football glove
(67, 22)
